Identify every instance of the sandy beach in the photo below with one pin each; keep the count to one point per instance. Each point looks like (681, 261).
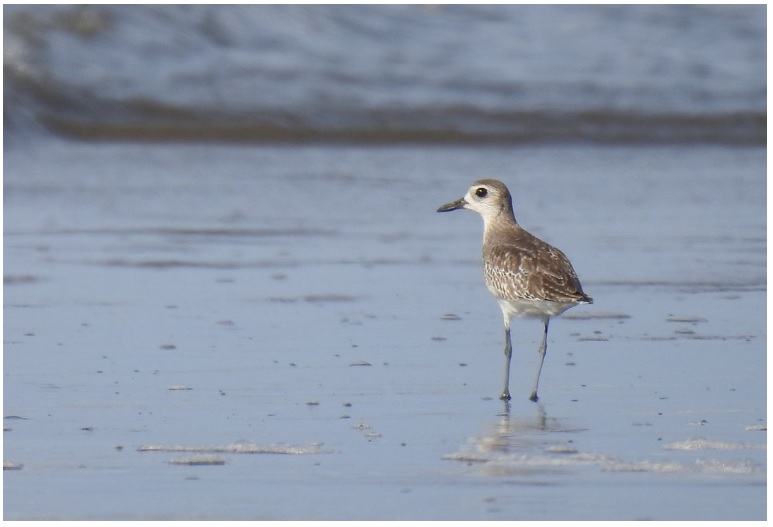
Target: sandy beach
(292, 332)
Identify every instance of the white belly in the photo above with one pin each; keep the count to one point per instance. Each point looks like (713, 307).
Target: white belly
(533, 308)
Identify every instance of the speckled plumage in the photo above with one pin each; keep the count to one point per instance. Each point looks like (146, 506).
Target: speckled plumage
(526, 275)
(518, 265)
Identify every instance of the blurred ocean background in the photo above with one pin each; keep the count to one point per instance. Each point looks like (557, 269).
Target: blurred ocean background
(388, 73)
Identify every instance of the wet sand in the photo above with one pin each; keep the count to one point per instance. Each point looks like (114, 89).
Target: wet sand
(240, 332)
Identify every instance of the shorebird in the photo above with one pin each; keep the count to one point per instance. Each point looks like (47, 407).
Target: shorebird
(527, 276)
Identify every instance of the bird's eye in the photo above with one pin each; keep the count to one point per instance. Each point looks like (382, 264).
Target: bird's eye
(481, 192)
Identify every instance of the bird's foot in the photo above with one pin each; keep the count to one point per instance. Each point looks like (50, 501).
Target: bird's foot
(533, 397)
(505, 396)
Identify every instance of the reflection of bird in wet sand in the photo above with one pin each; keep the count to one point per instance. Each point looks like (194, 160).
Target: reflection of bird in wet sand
(528, 277)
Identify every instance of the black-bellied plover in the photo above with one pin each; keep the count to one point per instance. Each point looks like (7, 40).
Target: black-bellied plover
(528, 277)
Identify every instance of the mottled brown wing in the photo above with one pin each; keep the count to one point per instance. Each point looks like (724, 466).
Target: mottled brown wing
(532, 269)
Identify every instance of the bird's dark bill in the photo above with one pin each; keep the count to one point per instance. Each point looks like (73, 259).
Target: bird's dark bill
(454, 205)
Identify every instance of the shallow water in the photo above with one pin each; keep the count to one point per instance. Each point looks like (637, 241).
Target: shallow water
(225, 332)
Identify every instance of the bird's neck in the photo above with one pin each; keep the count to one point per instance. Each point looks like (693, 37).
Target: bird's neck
(495, 227)
(503, 219)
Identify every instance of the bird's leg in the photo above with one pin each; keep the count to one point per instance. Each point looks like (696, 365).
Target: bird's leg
(508, 353)
(542, 352)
